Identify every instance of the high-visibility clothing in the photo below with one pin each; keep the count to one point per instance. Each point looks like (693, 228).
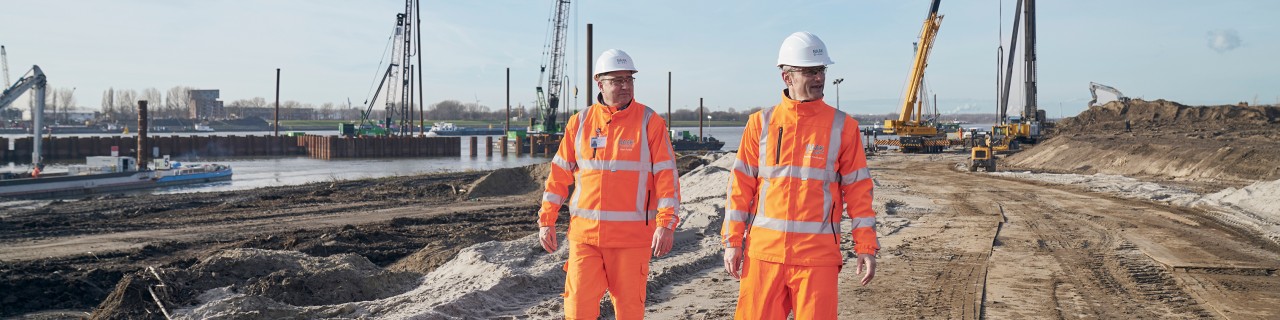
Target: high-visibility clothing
(772, 290)
(624, 173)
(588, 277)
(799, 165)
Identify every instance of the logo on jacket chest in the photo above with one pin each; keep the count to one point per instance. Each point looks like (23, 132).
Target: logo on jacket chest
(626, 144)
(815, 152)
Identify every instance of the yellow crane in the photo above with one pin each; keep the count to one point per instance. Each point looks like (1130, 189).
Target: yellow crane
(914, 133)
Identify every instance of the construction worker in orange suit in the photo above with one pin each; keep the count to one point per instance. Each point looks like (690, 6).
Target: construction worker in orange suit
(626, 196)
(799, 168)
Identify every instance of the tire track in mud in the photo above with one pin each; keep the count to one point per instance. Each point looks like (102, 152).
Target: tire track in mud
(1103, 276)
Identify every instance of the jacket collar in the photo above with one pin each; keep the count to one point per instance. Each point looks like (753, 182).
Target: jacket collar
(802, 108)
(626, 110)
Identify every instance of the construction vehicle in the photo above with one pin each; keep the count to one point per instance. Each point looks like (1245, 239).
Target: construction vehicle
(32, 79)
(915, 134)
(982, 155)
(1093, 91)
(553, 68)
(1025, 129)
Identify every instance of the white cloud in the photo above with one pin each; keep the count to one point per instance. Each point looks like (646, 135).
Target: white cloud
(1224, 40)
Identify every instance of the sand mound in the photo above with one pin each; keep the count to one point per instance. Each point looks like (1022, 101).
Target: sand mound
(1220, 146)
(510, 181)
(1253, 206)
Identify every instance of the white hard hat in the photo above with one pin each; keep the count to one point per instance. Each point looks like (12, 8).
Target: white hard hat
(803, 49)
(614, 60)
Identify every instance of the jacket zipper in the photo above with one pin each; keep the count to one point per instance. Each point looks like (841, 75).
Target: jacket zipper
(777, 152)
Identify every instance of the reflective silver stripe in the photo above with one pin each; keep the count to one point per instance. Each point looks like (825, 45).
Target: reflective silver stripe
(552, 198)
(582, 123)
(811, 227)
(833, 146)
(614, 165)
(667, 203)
(798, 172)
(742, 166)
(564, 164)
(665, 165)
(646, 162)
(737, 215)
(603, 215)
(869, 222)
(764, 137)
(583, 118)
(855, 176)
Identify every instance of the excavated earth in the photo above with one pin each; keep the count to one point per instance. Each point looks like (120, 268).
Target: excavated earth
(1162, 221)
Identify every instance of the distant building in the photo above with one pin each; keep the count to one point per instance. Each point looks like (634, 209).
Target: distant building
(205, 104)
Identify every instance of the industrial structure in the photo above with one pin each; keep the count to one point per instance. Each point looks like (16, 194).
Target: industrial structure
(1024, 129)
(915, 133)
(397, 80)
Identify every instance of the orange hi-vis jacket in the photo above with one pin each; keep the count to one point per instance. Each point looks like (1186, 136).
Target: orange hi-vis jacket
(624, 173)
(799, 165)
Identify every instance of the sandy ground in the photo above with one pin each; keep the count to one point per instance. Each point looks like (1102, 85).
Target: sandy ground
(1073, 243)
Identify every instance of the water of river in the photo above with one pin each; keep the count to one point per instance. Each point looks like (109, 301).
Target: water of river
(280, 171)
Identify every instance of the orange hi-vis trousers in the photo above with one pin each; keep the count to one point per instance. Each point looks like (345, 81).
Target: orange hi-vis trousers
(591, 270)
(772, 291)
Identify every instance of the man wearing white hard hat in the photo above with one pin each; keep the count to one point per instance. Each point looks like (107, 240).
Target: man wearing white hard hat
(800, 167)
(614, 229)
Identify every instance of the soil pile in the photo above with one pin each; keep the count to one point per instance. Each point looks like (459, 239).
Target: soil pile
(1211, 147)
(270, 277)
(510, 181)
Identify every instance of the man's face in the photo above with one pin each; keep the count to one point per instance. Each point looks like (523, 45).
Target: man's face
(805, 83)
(617, 87)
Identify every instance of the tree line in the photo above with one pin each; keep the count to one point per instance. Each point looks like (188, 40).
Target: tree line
(120, 105)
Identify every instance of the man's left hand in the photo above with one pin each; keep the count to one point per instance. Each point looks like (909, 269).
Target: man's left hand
(867, 262)
(662, 239)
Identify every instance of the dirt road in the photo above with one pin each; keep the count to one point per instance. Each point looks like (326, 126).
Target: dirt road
(954, 245)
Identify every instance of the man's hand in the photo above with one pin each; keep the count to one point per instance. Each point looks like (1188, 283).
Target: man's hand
(733, 262)
(662, 239)
(547, 236)
(867, 261)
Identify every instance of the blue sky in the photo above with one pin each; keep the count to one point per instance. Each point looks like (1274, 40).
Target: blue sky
(1194, 52)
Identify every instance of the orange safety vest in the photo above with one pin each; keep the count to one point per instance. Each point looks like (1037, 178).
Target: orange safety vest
(625, 174)
(799, 164)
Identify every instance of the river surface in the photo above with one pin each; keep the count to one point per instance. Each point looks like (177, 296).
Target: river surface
(259, 172)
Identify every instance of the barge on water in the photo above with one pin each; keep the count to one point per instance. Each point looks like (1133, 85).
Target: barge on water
(108, 174)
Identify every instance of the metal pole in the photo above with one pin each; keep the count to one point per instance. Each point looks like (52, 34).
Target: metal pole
(668, 100)
(506, 126)
(422, 102)
(1013, 46)
(142, 135)
(276, 126)
(699, 120)
(590, 95)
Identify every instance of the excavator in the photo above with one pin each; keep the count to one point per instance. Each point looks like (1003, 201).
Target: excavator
(1093, 91)
(915, 134)
(33, 79)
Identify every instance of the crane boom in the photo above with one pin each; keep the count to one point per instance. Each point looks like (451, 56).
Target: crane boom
(4, 61)
(909, 117)
(32, 79)
(555, 78)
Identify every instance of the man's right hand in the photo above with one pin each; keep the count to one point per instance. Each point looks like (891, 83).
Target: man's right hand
(547, 236)
(733, 262)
